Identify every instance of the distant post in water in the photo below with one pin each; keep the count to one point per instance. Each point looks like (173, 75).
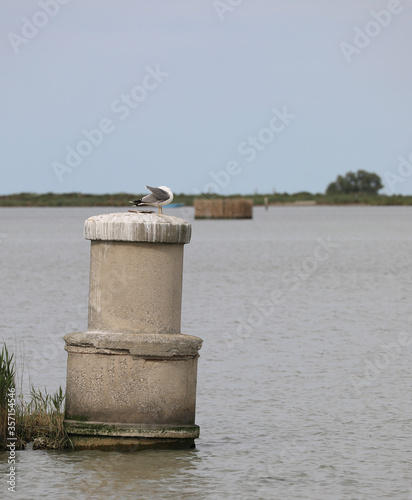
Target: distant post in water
(131, 378)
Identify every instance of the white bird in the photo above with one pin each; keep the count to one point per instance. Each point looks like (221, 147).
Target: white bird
(160, 196)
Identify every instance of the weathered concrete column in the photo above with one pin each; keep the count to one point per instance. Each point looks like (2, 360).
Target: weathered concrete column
(131, 378)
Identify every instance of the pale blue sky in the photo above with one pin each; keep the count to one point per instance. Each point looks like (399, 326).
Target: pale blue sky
(202, 82)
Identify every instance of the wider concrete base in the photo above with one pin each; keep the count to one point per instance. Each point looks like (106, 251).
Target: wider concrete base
(129, 437)
(131, 391)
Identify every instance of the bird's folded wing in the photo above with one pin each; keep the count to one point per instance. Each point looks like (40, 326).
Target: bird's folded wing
(159, 194)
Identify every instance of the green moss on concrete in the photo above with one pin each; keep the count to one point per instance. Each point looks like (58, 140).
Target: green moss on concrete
(78, 418)
(129, 437)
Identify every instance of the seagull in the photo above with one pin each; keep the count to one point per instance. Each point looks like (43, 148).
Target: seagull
(160, 196)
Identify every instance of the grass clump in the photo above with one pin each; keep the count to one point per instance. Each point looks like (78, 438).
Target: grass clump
(7, 376)
(39, 420)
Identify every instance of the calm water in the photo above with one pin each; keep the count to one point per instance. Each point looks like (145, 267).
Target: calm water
(304, 384)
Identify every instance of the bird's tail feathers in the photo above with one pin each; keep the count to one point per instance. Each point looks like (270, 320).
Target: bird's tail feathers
(136, 203)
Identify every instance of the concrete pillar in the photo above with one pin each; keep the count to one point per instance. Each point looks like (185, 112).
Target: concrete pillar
(131, 378)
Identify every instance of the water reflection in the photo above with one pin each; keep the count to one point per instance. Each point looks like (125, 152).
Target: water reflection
(94, 474)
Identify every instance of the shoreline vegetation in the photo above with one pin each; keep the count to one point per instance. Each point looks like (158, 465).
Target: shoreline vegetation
(39, 421)
(122, 199)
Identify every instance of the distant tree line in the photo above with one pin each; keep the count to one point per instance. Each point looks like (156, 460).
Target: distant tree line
(356, 182)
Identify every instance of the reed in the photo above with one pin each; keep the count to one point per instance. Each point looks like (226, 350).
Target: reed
(40, 420)
(7, 376)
